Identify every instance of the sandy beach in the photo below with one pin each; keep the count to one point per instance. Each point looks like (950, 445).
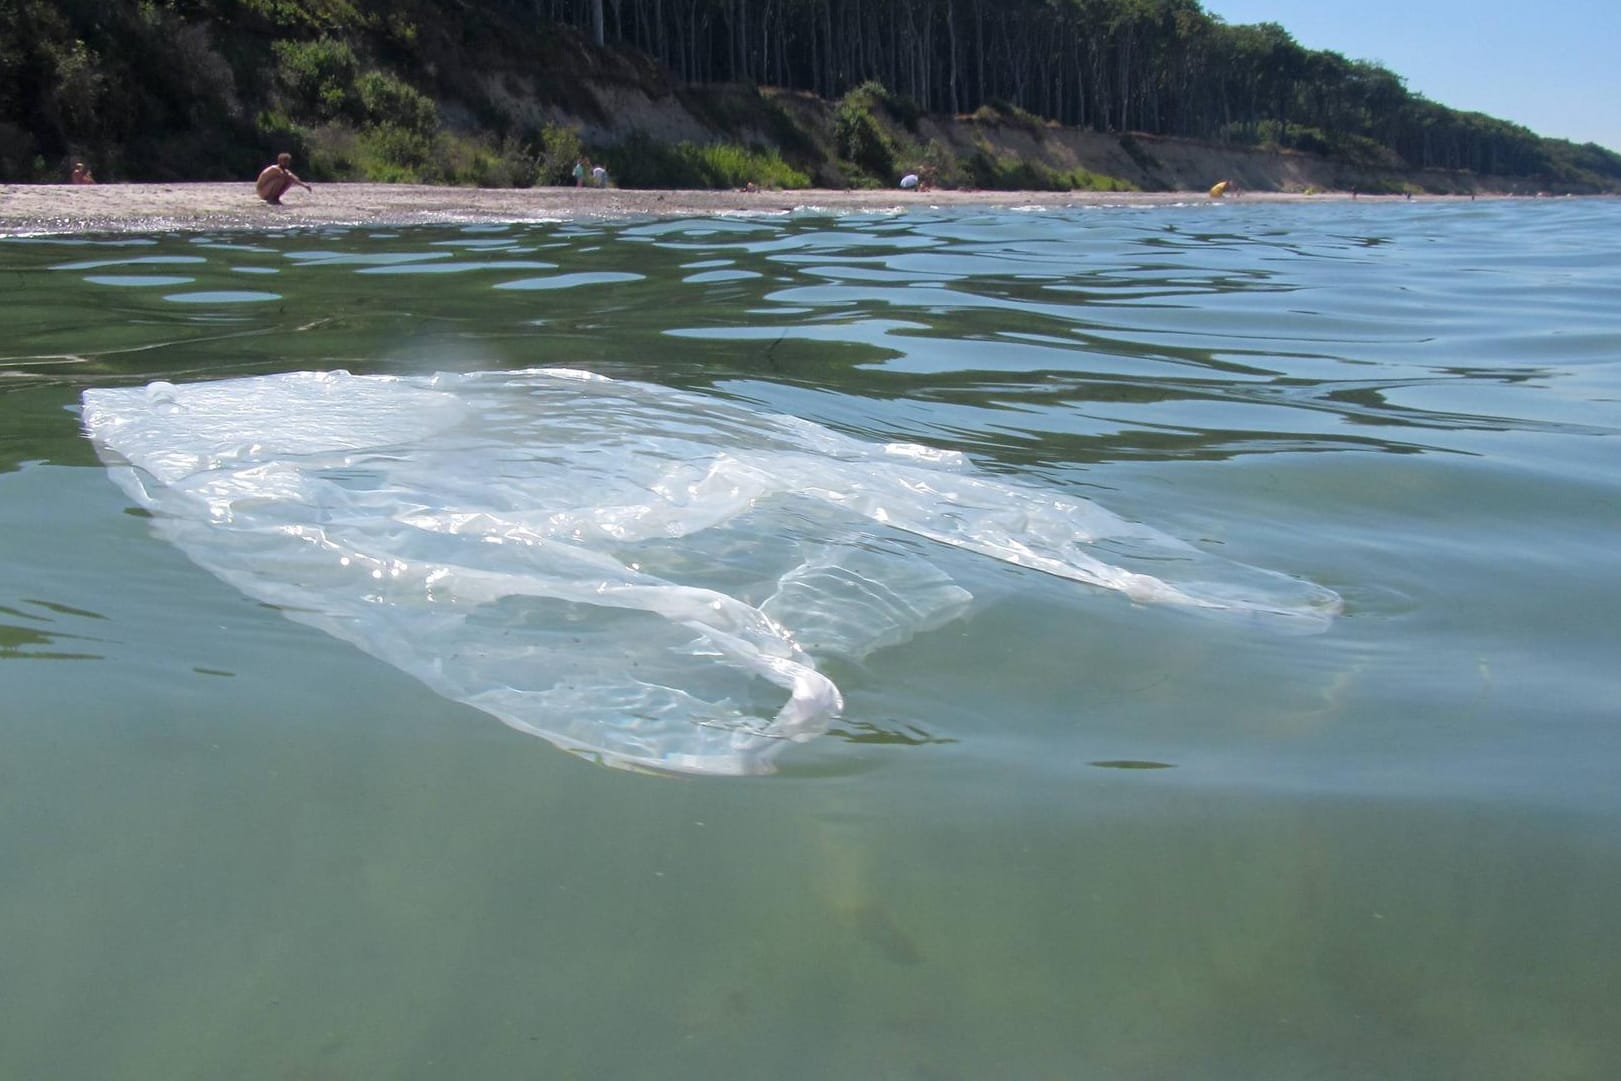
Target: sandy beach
(42, 209)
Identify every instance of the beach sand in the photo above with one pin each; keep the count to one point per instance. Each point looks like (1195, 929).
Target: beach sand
(36, 209)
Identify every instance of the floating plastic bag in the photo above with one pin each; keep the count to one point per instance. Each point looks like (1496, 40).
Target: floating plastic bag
(638, 574)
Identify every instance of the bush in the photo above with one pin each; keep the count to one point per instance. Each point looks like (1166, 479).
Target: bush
(859, 137)
(639, 162)
(873, 96)
(317, 76)
(395, 155)
(391, 154)
(303, 14)
(387, 101)
(560, 149)
(322, 80)
(1021, 175)
(276, 131)
(728, 165)
(1006, 114)
(511, 164)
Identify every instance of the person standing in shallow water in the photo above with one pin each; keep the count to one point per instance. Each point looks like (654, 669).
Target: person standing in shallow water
(276, 179)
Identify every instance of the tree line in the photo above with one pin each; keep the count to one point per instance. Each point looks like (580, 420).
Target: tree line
(1164, 67)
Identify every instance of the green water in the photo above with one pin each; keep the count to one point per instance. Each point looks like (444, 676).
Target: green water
(233, 847)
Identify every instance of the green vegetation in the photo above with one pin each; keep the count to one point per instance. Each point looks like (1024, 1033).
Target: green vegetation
(984, 171)
(501, 91)
(859, 135)
(1009, 115)
(641, 162)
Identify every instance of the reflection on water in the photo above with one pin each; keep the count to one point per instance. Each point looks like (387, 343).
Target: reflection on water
(222, 296)
(136, 280)
(39, 635)
(1062, 836)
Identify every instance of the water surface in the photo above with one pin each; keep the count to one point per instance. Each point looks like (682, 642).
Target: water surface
(1063, 835)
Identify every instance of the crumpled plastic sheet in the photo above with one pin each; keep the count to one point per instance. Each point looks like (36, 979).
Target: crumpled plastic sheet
(642, 575)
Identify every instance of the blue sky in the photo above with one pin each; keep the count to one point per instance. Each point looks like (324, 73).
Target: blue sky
(1552, 65)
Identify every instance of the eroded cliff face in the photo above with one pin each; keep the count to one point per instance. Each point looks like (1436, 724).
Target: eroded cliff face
(801, 127)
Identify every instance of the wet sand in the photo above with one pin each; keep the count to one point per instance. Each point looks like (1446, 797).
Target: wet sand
(35, 209)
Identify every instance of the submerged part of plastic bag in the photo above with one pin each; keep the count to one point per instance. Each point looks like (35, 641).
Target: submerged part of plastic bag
(639, 574)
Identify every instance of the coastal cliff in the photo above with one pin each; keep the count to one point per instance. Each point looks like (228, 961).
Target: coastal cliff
(503, 93)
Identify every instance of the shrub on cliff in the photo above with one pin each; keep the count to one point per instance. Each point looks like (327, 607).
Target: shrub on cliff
(860, 138)
(640, 162)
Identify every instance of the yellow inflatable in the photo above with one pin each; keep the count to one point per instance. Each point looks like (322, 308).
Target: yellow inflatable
(1219, 189)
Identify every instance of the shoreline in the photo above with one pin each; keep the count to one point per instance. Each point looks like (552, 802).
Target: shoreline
(58, 209)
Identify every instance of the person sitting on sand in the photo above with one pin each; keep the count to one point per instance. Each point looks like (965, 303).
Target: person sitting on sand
(81, 175)
(276, 179)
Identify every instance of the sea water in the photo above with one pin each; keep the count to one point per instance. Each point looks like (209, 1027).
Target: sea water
(1052, 830)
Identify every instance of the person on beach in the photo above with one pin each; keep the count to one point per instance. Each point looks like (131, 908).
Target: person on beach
(579, 173)
(599, 176)
(81, 175)
(274, 181)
